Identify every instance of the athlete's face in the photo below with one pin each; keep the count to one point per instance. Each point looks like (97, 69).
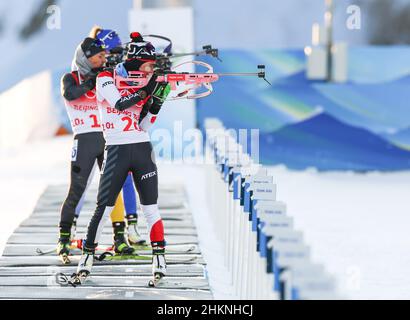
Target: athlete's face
(98, 60)
(147, 67)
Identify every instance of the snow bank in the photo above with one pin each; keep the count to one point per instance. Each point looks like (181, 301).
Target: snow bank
(27, 111)
(24, 173)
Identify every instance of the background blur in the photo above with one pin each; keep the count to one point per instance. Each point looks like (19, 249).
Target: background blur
(360, 121)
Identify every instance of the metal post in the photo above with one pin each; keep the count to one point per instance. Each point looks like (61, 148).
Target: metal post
(329, 37)
(137, 4)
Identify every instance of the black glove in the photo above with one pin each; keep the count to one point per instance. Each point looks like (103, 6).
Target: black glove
(151, 85)
(156, 106)
(91, 79)
(159, 96)
(145, 109)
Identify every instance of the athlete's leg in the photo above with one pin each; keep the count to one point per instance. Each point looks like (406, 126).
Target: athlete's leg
(83, 159)
(81, 202)
(146, 181)
(80, 205)
(130, 199)
(117, 218)
(121, 244)
(114, 173)
(117, 214)
(100, 159)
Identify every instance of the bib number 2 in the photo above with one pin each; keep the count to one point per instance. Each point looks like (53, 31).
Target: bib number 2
(130, 124)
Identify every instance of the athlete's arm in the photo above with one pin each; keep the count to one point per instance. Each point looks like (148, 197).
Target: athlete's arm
(70, 90)
(107, 88)
(151, 112)
(128, 101)
(159, 95)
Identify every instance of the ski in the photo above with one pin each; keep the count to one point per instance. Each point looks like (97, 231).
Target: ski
(141, 247)
(109, 256)
(182, 259)
(170, 249)
(169, 283)
(183, 248)
(43, 253)
(158, 281)
(51, 251)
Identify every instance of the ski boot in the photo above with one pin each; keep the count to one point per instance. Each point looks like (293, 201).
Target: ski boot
(159, 264)
(63, 247)
(84, 267)
(134, 237)
(121, 245)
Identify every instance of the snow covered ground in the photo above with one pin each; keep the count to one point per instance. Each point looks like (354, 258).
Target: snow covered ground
(357, 224)
(27, 170)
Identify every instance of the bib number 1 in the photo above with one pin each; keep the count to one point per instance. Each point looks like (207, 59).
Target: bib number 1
(95, 121)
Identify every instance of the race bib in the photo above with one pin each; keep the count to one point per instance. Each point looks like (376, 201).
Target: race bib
(74, 151)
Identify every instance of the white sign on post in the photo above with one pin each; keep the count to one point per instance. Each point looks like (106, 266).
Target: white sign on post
(270, 207)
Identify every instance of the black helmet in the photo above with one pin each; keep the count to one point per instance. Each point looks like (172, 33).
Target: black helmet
(138, 52)
(137, 48)
(92, 46)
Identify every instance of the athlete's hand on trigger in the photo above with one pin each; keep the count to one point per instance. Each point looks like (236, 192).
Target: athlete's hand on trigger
(159, 97)
(161, 92)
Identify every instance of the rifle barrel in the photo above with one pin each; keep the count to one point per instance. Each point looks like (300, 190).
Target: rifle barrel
(239, 74)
